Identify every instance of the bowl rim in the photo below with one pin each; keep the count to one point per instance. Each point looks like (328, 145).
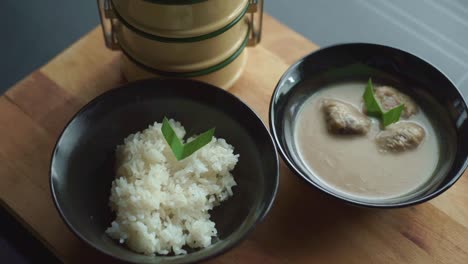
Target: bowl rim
(276, 131)
(166, 82)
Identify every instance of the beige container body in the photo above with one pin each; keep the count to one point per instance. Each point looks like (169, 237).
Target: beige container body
(224, 77)
(185, 56)
(180, 21)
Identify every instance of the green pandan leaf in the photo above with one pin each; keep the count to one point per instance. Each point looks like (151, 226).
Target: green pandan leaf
(371, 103)
(180, 150)
(392, 115)
(373, 107)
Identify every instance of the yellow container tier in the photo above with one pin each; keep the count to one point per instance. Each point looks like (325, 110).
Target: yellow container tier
(182, 56)
(223, 77)
(179, 18)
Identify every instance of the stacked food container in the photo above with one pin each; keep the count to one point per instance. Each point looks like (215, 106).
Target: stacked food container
(199, 39)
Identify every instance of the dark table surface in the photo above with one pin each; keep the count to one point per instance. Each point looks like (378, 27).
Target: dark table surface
(17, 245)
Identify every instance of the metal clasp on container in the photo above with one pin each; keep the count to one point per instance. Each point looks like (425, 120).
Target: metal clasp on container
(255, 21)
(108, 24)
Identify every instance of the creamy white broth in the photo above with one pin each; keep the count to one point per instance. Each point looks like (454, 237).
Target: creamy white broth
(354, 165)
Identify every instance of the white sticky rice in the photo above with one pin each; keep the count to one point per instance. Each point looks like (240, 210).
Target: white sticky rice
(162, 204)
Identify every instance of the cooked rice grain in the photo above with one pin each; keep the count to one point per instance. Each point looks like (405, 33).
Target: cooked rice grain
(162, 204)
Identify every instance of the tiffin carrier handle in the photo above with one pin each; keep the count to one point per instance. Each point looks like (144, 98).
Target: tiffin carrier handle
(108, 24)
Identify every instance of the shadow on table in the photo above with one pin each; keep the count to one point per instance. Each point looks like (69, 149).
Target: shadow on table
(18, 245)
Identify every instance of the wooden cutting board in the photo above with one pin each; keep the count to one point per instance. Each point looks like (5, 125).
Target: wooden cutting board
(304, 226)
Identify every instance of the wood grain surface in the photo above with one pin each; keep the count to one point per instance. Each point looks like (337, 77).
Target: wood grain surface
(304, 226)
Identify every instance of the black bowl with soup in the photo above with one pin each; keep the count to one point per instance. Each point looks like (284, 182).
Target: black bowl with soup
(405, 163)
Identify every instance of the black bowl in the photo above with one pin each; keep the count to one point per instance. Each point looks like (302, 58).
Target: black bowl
(82, 163)
(435, 93)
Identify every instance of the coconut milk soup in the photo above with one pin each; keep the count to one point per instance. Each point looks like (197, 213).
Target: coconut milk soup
(355, 165)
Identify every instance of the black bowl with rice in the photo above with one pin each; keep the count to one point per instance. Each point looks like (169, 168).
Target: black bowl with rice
(188, 216)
